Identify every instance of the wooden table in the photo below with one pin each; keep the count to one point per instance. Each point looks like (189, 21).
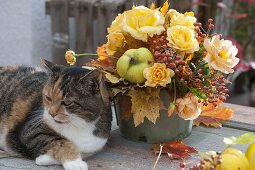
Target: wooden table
(122, 154)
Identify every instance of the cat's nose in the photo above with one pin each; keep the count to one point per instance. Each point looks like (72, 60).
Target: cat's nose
(53, 113)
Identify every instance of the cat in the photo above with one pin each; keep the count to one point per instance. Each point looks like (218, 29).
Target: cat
(53, 114)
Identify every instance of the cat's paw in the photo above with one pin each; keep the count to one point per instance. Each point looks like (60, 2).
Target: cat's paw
(46, 160)
(77, 164)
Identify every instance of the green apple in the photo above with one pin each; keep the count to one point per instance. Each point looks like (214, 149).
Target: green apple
(131, 64)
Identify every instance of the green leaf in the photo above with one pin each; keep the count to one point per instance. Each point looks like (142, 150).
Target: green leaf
(184, 88)
(200, 94)
(240, 140)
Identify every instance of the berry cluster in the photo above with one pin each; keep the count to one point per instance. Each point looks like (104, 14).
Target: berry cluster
(205, 164)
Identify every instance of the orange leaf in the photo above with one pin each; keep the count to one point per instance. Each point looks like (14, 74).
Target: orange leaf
(175, 149)
(214, 117)
(222, 113)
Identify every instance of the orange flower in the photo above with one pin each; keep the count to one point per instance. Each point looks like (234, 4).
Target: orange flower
(188, 107)
(70, 57)
(158, 75)
(101, 52)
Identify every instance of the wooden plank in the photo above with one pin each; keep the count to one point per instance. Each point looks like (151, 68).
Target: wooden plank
(106, 13)
(242, 114)
(59, 29)
(84, 17)
(244, 117)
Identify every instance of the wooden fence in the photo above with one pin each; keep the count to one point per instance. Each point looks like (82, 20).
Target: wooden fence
(92, 17)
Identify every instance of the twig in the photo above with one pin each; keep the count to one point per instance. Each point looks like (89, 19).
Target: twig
(161, 147)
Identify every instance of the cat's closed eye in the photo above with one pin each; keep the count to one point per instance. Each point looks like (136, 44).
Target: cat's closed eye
(67, 103)
(48, 98)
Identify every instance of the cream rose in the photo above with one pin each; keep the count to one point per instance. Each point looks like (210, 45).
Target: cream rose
(115, 41)
(182, 39)
(221, 54)
(158, 75)
(141, 22)
(188, 107)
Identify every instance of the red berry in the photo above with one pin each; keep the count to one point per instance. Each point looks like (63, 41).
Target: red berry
(182, 164)
(156, 54)
(210, 20)
(172, 66)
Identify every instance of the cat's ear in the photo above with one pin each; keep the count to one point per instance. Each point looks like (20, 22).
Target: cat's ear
(99, 83)
(53, 68)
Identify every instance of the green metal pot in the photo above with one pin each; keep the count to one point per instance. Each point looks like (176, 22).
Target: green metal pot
(166, 128)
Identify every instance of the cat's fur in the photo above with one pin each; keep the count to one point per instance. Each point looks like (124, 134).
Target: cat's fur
(53, 115)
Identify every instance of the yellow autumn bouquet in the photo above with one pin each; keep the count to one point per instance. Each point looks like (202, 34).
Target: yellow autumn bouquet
(154, 49)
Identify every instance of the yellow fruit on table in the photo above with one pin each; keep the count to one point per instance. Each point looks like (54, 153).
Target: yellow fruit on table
(233, 159)
(250, 155)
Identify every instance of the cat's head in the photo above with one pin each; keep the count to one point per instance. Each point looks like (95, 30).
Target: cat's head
(73, 92)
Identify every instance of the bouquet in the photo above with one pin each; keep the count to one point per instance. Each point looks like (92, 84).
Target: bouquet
(153, 49)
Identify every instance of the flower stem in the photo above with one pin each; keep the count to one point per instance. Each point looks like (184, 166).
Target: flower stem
(160, 151)
(174, 92)
(87, 54)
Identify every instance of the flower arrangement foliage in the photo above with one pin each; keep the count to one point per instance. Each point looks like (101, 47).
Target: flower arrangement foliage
(154, 49)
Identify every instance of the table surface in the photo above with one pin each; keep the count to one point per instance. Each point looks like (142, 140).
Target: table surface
(122, 154)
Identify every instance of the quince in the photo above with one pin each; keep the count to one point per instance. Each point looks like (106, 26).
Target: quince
(131, 64)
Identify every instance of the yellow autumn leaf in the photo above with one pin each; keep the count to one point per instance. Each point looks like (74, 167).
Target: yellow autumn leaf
(164, 8)
(145, 104)
(113, 79)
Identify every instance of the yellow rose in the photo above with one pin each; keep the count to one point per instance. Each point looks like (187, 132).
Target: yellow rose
(141, 22)
(70, 57)
(172, 13)
(188, 107)
(158, 75)
(182, 39)
(115, 27)
(221, 54)
(183, 20)
(115, 41)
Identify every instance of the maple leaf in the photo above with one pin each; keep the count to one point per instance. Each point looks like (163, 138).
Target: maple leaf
(145, 103)
(175, 149)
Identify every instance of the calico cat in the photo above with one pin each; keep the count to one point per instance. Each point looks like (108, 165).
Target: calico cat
(55, 115)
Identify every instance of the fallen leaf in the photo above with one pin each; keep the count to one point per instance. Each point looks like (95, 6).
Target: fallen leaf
(145, 104)
(213, 116)
(222, 113)
(175, 149)
(207, 121)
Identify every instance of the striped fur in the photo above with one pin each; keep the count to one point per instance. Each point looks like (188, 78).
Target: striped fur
(53, 115)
